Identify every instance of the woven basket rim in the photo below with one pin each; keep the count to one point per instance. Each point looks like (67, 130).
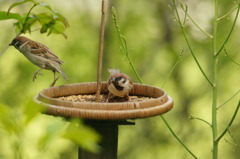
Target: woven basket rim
(109, 114)
(117, 103)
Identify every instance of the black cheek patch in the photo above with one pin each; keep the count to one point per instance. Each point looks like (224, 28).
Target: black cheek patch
(120, 88)
(115, 83)
(15, 43)
(18, 44)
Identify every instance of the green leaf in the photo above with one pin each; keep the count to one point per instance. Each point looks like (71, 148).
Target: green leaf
(6, 16)
(44, 18)
(3, 110)
(18, 27)
(31, 110)
(50, 23)
(28, 23)
(84, 136)
(61, 18)
(19, 3)
(56, 15)
(8, 119)
(46, 6)
(52, 132)
(44, 28)
(57, 28)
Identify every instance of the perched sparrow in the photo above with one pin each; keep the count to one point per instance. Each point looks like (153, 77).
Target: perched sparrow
(119, 84)
(39, 55)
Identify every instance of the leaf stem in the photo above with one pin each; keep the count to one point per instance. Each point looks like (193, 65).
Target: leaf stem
(230, 12)
(230, 123)
(179, 140)
(228, 99)
(22, 30)
(230, 33)
(215, 85)
(134, 69)
(185, 9)
(232, 143)
(203, 31)
(200, 119)
(125, 48)
(231, 59)
(187, 15)
(188, 43)
(166, 79)
(25, 21)
(123, 43)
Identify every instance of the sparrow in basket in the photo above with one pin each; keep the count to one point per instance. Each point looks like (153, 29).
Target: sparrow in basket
(119, 84)
(39, 55)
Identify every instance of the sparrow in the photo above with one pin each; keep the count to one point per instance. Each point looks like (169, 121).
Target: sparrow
(39, 55)
(119, 84)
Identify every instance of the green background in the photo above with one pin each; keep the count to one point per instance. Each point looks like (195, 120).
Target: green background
(155, 42)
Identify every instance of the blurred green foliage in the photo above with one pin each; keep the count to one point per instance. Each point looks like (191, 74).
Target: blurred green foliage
(52, 22)
(154, 42)
(25, 133)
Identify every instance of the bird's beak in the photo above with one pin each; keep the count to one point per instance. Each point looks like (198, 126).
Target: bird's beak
(10, 44)
(113, 79)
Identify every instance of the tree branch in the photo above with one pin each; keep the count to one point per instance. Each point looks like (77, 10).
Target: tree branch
(100, 53)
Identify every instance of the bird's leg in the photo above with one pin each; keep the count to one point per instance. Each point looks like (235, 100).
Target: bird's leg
(108, 97)
(128, 98)
(54, 79)
(36, 73)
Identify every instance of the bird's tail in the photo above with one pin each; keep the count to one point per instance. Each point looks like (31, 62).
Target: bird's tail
(59, 69)
(113, 71)
(63, 74)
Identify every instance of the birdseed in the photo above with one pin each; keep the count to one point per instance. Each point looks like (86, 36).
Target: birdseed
(103, 98)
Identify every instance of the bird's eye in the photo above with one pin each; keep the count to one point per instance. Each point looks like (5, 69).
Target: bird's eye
(16, 43)
(113, 79)
(124, 81)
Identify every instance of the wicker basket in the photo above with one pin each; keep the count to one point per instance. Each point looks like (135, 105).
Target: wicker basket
(159, 104)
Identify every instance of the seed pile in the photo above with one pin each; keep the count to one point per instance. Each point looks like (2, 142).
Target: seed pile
(103, 97)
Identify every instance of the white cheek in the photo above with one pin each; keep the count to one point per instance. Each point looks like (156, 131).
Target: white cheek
(123, 84)
(22, 48)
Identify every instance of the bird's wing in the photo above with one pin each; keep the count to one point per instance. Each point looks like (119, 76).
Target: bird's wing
(44, 51)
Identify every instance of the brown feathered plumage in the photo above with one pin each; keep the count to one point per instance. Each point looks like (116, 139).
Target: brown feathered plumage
(39, 55)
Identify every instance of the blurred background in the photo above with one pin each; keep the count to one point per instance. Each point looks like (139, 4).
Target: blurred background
(155, 41)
